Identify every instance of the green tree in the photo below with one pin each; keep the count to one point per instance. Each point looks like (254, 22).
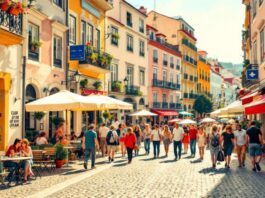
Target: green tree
(203, 104)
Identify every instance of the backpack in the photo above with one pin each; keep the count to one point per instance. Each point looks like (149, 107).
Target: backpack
(215, 141)
(111, 138)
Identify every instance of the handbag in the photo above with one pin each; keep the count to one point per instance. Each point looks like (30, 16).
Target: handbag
(220, 156)
(136, 147)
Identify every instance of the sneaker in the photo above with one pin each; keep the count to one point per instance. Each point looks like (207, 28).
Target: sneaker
(93, 167)
(225, 165)
(112, 160)
(258, 167)
(254, 169)
(85, 166)
(243, 164)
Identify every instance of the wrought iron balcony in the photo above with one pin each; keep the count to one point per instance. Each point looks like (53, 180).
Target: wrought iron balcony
(178, 106)
(165, 84)
(188, 44)
(10, 22)
(172, 105)
(133, 90)
(157, 105)
(165, 105)
(96, 60)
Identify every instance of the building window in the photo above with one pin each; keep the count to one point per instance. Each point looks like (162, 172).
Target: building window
(152, 36)
(262, 46)
(172, 62)
(83, 32)
(165, 60)
(72, 29)
(129, 19)
(33, 41)
(171, 78)
(164, 75)
(142, 77)
(57, 51)
(129, 43)
(114, 36)
(114, 72)
(58, 3)
(130, 75)
(141, 25)
(171, 99)
(155, 73)
(178, 79)
(98, 39)
(164, 98)
(90, 35)
(155, 56)
(142, 51)
(155, 98)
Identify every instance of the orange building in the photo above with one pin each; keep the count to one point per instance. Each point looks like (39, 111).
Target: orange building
(204, 73)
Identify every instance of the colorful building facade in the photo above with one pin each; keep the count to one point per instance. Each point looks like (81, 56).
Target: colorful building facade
(204, 74)
(180, 33)
(164, 75)
(128, 80)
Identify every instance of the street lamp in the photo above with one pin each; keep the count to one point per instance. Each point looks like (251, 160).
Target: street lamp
(74, 78)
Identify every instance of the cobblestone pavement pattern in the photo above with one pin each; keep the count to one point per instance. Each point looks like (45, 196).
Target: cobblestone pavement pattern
(162, 177)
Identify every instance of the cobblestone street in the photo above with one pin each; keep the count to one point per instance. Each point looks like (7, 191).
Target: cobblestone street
(146, 177)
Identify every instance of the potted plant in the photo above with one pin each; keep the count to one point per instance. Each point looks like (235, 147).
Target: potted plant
(103, 59)
(35, 45)
(4, 5)
(60, 155)
(39, 115)
(115, 35)
(83, 83)
(116, 86)
(106, 115)
(93, 57)
(16, 8)
(109, 59)
(97, 85)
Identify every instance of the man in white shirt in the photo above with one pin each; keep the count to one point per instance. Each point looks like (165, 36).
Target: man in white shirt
(156, 138)
(241, 140)
(103, 131)
(178, 133)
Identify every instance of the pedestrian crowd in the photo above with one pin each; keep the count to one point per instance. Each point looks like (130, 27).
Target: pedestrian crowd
(221, 139)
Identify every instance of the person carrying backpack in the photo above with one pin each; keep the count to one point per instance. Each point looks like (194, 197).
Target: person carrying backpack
(214, 145)
(112, 142)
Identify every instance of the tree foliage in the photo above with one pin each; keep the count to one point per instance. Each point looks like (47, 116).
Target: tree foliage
(203, 104)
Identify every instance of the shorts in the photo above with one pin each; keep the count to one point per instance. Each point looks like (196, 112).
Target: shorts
(112, 148)
(214, 151)
(228, 149)
(254, 150)
(240, 149)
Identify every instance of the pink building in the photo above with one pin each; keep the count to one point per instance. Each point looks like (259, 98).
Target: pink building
(164, 75)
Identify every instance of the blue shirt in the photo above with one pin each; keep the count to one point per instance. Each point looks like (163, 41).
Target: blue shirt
(90, 137)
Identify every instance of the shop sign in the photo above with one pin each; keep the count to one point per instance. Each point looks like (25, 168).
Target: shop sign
(14, 120)
(77, 52)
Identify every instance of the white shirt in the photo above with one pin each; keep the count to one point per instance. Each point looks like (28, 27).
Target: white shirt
(103, 131)
(41, 141)
(240, 137)
(178, 134)
(156, 134)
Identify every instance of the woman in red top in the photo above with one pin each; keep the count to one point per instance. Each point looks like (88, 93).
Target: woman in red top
(130, 143)
(186, 139)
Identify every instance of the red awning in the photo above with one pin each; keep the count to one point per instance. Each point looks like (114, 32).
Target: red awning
(249, 97)
(256, 107)
(166, 112)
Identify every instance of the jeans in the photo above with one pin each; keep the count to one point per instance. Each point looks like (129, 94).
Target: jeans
(12, 167)
(177, 149)
(193, 147)
(138, 141)
(147, 145)
(156, 145)
(130, 154)
(90, 152)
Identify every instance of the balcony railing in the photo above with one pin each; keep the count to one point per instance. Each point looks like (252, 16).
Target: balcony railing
(132, 90)
(190, 60)
(178, 106)
(97, 58)
(170, 46)
(172, 105)
(165, 105)
(157, 105)
(11, 23)
(165, 84)
(190, 45)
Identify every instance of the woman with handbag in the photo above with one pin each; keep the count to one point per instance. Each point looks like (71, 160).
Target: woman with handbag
(201, 140)
(166, 139)
(156, 139)
(214, 145)
(138, 133)
(147, 138)
(130, 143)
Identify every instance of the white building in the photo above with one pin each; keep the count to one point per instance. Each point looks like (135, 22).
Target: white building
(215, 84)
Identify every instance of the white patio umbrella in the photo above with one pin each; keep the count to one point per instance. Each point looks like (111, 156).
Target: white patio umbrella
(185, 113)
(176, 120)
(143, 113)
(187, 121)
(235, 107)
(215, 113)
(110, 103)
(63, 101)
(208, 120)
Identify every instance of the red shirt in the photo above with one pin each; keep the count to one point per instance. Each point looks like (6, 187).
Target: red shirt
(193, 134)
(12, 147)
(130, 140)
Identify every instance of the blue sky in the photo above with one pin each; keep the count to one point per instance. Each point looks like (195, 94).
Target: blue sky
(218, 23)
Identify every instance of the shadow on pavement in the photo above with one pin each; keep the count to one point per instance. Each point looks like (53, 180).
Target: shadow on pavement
(148, 159)
(168, 161)
(120, 165)
(188, 157)
(196, 161)
(118, 161)
(74, 172)
(102, 162)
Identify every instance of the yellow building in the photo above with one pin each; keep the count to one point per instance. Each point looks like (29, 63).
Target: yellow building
(180, 34)
(204, 72)
(87, 27)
